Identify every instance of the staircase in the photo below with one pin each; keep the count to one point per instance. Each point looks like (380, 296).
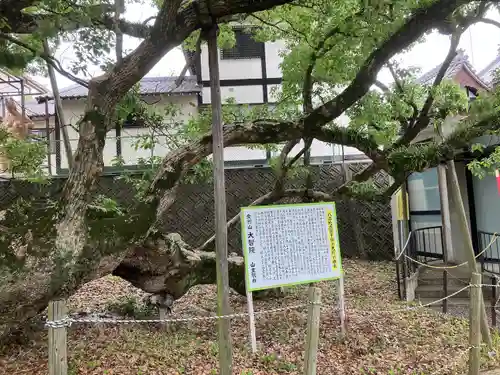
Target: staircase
(430, 288)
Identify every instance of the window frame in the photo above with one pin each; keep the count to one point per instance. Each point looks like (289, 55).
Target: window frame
(240, 51)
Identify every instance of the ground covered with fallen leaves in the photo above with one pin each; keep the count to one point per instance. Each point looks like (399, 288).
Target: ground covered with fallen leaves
(382, 338)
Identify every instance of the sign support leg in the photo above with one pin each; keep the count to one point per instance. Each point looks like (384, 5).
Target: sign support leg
(341, 296)
(251, 322)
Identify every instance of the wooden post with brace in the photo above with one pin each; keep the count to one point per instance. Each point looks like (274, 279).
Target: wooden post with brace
(209, 31)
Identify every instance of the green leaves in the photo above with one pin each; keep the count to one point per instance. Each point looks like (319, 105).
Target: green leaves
(26, 156)
(483, 166)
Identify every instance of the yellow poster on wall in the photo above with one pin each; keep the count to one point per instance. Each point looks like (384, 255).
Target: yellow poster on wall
(400, 206)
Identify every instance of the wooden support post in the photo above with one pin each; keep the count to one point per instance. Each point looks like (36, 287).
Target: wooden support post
(456, 196)
(58, 358)
(446, 227)
(163, 315)
(475, 324)
(225, 344)
(312, 338)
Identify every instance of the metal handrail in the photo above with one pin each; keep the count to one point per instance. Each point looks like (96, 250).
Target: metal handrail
(405, 246)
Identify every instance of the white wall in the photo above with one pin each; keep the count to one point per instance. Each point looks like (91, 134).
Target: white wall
(456, 229)
(246, 68)
(242, 94)
(74, 109)
(231, 69)
(244, 154)
(273, 58)
(487, 203)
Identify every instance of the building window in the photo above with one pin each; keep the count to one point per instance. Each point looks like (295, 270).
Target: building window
(40, 135)
(423, 191)
(244, 48)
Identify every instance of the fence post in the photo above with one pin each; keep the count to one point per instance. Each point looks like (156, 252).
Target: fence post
(493, 301)
(58, 358)
(475, 324)
(163, 315)
(312, 338)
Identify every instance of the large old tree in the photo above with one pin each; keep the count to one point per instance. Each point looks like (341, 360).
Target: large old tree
(336, 50)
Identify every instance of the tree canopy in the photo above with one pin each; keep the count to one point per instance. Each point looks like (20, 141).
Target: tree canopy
(335, 50)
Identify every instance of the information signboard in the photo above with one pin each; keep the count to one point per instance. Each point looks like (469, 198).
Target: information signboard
(290, 244)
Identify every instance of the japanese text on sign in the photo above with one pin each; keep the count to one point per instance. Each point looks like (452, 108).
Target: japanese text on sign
(291, 244)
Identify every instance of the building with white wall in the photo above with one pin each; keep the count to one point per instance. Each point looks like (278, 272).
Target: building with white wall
(250, 74)
(121, 142)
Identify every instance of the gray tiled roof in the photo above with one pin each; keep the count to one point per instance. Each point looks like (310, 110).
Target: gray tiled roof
(34, 109)
(149, 86)
(488, 73)
(460, 61)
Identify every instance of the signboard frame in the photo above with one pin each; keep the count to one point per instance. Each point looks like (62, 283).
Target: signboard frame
(333, 237)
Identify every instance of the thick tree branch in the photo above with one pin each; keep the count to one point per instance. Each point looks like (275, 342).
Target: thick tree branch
(442, 151)
(171, 27)
(424, 19)
(190, 62)
(404, 122)
(318, 52)
(382, 86)
(489, 22)
(177, 163)
(18, 22)
(423, 118)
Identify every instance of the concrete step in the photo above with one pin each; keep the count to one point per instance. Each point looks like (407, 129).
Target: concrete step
(457, 302)
(452, 282)
(438, 275)
(437, 291)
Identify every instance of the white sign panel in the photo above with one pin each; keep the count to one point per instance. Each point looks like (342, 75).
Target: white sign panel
(290, 244)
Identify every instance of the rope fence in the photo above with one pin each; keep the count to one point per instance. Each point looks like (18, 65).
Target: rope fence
(59, 323)
(68, 321)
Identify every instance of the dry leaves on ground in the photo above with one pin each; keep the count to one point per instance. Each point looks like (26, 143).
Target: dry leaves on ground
(379, 341)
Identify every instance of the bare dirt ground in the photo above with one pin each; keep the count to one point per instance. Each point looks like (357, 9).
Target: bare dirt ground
(382, 337)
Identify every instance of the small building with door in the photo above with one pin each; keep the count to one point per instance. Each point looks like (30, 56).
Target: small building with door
(419, 226)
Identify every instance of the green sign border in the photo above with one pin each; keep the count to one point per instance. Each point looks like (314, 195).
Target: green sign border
(245, 249)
